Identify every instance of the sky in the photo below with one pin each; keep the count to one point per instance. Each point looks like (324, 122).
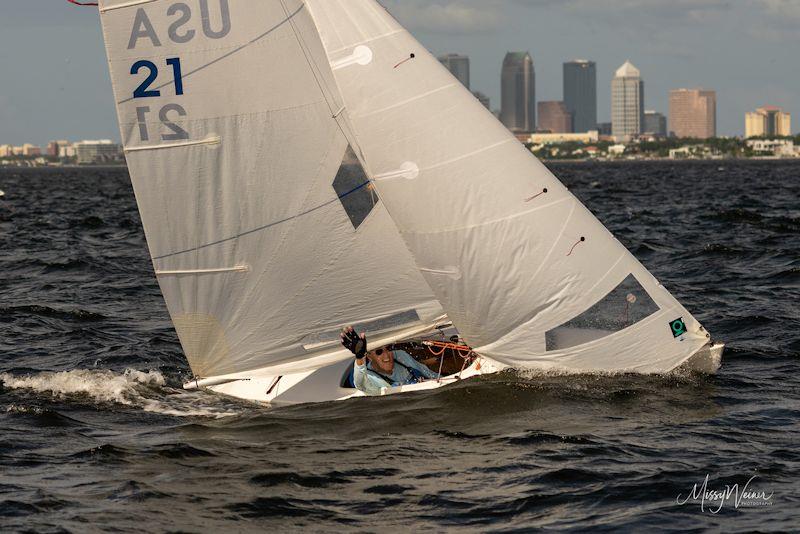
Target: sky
(54, 81)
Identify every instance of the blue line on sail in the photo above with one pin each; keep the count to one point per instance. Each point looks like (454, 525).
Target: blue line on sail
(266, 226)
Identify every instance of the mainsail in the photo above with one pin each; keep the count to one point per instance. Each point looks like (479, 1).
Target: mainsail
(234, 148)
(528, 275)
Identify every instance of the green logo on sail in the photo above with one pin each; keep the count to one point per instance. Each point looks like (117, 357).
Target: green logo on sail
(678, 327)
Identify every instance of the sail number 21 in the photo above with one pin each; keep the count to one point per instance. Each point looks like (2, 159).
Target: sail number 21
(143, 91)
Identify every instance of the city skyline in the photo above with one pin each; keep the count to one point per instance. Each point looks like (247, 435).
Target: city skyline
(627, 101)
(693, 113)
(518, 98)
(57, 84)
(580, 93)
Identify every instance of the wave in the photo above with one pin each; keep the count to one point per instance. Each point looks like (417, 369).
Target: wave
(45, 311)
(145, 390)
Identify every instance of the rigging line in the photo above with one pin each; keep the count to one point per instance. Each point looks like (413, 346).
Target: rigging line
(265, 227)
(326, 91)
(228, 54)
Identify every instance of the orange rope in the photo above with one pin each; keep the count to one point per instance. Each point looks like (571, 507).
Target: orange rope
(437, 354)
(443, 345)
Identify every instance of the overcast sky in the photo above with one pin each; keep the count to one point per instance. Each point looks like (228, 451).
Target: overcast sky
(54, 82)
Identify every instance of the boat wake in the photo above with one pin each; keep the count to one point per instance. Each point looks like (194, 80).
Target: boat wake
(147, 391)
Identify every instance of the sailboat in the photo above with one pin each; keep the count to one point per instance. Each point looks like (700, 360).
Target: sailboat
(303, 165)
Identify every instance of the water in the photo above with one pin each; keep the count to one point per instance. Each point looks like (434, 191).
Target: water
(97, 433)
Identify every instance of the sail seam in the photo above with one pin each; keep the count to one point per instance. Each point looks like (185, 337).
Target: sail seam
(470, 154)
(370, 40)
(237, 269)
(487, 223)
(124, 5)
(236, 115)
(408, 101)
(215, 140)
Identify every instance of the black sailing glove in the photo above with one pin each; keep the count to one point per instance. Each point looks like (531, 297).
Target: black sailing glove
(354, 343)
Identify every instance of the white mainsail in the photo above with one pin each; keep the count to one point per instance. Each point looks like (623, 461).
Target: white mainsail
(233, 148)
(528, 275)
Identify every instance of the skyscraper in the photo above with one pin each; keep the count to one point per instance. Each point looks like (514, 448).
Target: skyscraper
(627, 101)
(554, 117)
(655, 123)
(768, 121)
(518, 92)
(458, 66)
(483, 99)
(693, 113)
(580, 94)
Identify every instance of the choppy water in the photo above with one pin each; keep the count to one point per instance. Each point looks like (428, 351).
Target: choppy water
(96, 433)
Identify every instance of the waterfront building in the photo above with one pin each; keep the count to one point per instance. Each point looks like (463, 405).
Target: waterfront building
(566, 137)
(655, 124)
(458, 66)
(783, 148)
(693, 113)
(54, 147)
(580, 94)
(518, 104)
(769, 121)
(31, 151)
(67, 151)
(6, 151)
(627, 101)
(604, 128)
(104, 151)
(554, 117)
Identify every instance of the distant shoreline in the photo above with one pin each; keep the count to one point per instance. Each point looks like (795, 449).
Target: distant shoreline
(544, 161)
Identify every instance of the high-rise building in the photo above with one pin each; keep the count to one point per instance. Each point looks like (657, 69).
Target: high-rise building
(627, 101)
(693, 113)
(769, 121)
(554, 117)
(54, 147)
(458, 66)
(483, 99)
(655, 123)
(30, 150)
(580, 94)
(518, 104)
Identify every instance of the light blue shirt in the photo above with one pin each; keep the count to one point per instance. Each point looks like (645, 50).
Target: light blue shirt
(371, 384)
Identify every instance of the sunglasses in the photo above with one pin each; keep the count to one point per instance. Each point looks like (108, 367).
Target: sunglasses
(378, 352)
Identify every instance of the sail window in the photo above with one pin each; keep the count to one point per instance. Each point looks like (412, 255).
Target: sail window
(354, 189)
(625, 306)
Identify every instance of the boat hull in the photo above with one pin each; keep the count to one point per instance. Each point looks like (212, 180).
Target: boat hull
(325, 384)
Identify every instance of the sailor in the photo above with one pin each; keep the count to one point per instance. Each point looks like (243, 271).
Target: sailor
(382, 367)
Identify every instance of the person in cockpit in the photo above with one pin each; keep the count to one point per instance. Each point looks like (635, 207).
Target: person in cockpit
(382, 367)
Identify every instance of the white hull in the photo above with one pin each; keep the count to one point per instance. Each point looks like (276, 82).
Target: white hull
(324, 384)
